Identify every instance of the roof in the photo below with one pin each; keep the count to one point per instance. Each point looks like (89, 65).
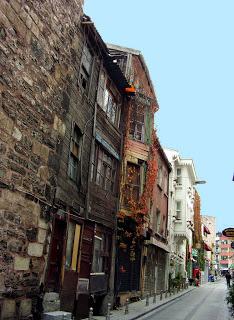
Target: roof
(113, 47)
(112, 68)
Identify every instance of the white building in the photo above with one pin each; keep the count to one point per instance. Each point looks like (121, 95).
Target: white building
(180, 222)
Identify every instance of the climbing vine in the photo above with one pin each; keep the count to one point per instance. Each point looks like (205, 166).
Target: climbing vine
(132, 221)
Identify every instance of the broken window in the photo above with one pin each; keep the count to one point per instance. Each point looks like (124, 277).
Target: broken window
(104, 169)
(107, 100)
(74, 157)
(137, 123)
(86, 66)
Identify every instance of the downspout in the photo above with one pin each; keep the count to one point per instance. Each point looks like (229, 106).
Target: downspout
(92, 148)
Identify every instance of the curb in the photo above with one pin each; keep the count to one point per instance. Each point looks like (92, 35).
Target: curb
(159, 306)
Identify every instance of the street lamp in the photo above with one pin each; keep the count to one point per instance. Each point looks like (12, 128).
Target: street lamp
(200, 182)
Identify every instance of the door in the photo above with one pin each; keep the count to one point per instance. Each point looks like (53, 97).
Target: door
(54, 274)
(69, 287)
(85, 270)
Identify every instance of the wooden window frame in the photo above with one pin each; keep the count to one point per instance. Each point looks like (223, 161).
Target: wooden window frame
(85, 68)
(104, 162)
(107, 99)
(137, 125)
(75, 153)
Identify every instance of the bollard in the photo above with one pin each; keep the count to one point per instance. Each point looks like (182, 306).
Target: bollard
(91, 313)
(108, 311)
(165, 294)
(147, 300)
(154, 299)
(161, 294)
(126, 306)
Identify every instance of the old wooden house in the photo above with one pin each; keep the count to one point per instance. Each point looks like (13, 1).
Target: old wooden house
(139, 169)
(88, 181)
(156, 268)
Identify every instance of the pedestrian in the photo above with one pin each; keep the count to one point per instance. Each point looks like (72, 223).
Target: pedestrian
(228, 279)
(197, 278)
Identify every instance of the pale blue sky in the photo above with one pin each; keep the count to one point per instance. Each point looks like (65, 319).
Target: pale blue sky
(189, 49)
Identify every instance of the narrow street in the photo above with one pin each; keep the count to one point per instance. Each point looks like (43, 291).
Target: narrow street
(204, 303)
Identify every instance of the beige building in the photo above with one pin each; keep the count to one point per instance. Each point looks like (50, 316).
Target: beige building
(209, 236)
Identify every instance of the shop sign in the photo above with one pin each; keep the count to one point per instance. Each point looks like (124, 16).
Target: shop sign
(228, 232)
(194, 252)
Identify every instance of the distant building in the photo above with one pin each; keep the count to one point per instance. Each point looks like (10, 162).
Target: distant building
(181, 211)
(208, 236)
(224, 253)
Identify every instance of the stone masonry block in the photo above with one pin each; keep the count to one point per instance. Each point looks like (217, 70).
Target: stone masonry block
(25, 307)
(17, 134)
(21, 263)
(8, 309)
(42, 224)
(35, 249)
(41, 235)
(40, 150)
(59, 126)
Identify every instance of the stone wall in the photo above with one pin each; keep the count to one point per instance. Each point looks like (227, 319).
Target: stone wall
(38, 43)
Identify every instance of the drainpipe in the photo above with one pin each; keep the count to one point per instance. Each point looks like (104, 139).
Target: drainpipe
(92, 148)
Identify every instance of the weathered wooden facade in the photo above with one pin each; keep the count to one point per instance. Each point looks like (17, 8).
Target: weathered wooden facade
(157, 249)
(88, 189)
(138, 175)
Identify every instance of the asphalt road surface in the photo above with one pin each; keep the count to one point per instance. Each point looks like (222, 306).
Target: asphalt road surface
(203, 303)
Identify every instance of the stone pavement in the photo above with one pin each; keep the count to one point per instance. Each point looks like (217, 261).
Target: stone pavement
(138, 309)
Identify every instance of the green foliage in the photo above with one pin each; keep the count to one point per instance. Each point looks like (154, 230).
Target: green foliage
(230, 298)
(177, 281)
(201, 259)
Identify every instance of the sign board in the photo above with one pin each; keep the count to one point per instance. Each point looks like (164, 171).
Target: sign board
(194, 252)
(83, 286)
(228, 232)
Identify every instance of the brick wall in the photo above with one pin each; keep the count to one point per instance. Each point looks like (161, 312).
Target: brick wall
(38, 45)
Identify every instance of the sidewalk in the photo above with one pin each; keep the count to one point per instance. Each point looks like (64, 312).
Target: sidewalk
(138, 309)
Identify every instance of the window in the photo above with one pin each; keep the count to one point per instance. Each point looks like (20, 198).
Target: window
(101, 253)
(137, 120)
(104, 169)
(132, 186)
(160, 173)
(86, 66)
(224, 257)
(107, 100)
(97, 265)
(178, 210)
(74, 157)
(158, 220)
(178, 176)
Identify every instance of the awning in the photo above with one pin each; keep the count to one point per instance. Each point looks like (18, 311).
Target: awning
(206, 230)
(207, 248)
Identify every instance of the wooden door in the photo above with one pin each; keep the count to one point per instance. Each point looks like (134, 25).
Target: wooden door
(56, 256)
